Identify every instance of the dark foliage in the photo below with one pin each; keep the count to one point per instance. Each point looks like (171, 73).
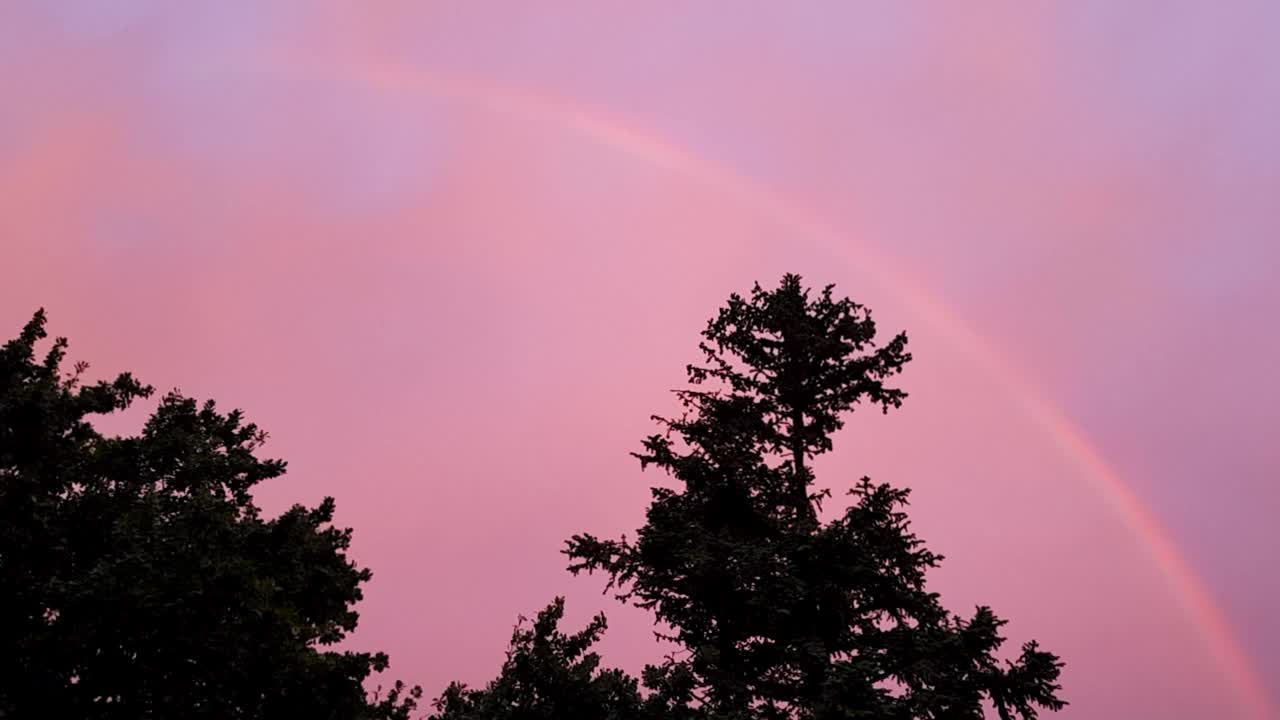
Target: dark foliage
(139, 580)
(779, 615)
(547, 676)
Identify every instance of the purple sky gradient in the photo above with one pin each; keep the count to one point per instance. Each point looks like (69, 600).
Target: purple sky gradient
(395, 238)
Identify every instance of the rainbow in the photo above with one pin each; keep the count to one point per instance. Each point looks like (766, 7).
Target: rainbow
(1193, 597)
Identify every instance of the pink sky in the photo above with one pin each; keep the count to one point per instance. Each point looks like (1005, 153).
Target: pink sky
(452, 255)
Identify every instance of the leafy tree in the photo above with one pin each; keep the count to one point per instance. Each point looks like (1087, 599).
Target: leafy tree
(138, 579)
(547, 676)
(779, 615)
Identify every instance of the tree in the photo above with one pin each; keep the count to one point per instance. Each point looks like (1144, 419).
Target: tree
(138, 579)
(780, 616)
(547, 676)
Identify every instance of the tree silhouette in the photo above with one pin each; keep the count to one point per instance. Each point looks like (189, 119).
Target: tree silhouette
(547, 676)
(780, 616)
(139, 580)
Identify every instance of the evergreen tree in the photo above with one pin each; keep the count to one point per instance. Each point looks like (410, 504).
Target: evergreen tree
(779, 615)
(547, 676)
(138, 579)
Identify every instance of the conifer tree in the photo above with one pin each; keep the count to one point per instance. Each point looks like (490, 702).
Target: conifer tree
(778, 615)
(548, 675)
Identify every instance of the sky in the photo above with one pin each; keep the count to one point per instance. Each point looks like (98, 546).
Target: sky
(454, 255)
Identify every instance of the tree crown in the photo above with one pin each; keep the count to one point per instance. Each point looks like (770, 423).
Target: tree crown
(782, 617)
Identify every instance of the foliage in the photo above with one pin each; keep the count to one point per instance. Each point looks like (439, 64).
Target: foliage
(547, 676)
(138, 579)
(779, 615)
